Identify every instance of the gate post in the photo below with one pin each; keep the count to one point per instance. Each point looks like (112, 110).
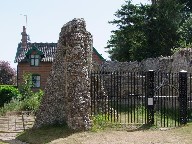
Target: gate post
(183, 97)
(150, 95)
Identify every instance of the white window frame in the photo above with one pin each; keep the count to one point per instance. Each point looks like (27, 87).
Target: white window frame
(34, 60)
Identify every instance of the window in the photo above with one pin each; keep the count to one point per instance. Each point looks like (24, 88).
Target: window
(36, 79)
(35, 60)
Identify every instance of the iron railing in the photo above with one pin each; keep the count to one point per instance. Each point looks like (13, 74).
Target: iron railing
(140, 97)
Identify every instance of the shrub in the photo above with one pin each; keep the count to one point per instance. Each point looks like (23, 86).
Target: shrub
(32, 103)
(26, 99)
(25, 88)
(28, 104)
(7, 93)
(13, 105)
(30, 100)
(100, 122)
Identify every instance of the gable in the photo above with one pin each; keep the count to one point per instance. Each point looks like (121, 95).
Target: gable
(34, 49)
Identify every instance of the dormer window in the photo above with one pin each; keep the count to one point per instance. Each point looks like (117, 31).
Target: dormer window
(34, 56)
(35, 60)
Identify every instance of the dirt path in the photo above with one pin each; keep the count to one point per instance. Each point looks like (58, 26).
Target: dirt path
(116, 137)
(124, 137)
(160, 136)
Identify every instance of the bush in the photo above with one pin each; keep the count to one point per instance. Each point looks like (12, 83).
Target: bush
(13, 105)
(7, 93)
(25, 88)
(100, 122)
(24, 99)
(32, 103)
(28, 104)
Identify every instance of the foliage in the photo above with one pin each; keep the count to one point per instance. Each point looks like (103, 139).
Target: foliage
(13, 105)
(7, 74)
(30, 100)
(130, 37)
(146, 31)
(26, 99)
(7, 93)
(25, 87)
(100, 122)
(32, 103)
(185, 31)
(28, 104)
(162, 28)
(187, 6)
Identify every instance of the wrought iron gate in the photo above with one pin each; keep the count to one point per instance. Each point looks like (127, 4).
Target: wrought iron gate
(139, 98)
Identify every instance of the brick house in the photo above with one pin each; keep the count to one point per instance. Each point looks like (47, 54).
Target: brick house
(37, 58)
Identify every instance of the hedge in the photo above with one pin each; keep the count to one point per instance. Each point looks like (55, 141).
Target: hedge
(7, 93)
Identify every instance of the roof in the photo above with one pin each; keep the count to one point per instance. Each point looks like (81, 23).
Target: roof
(99, 55)
(47, 50)
(34, 48)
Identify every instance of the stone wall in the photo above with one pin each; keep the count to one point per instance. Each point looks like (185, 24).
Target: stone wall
(117, 73)
(181, 60)
(67, 92)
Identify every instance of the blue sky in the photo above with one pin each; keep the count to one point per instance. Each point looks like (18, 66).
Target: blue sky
(46, 17)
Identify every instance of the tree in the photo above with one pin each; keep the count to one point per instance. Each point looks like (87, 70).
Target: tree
(187, 6)
(7, 74)
(185, 24)
(162, 33)
(130, 37)
(185, 31)
(145, 30)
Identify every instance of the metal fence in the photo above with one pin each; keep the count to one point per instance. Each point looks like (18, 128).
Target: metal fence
(162, 99)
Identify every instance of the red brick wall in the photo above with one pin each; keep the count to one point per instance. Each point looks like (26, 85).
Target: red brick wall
(43, 70)
(96, 58)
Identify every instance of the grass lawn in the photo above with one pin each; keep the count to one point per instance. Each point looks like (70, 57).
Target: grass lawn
(45, 134)
(61, 134)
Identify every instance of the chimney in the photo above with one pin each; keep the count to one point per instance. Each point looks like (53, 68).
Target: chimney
(24, 38)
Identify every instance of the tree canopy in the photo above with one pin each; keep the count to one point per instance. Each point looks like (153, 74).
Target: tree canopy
(7, 73)
(149, 30)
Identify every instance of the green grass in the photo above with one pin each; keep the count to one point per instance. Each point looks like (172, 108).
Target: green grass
(137, 116)
(45, 134)
(100, 122)
(3, 142)
(48, 134)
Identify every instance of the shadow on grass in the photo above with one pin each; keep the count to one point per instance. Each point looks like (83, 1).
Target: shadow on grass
(45, 134)
(141, 128)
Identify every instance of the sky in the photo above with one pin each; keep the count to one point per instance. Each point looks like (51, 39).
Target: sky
(45, 19)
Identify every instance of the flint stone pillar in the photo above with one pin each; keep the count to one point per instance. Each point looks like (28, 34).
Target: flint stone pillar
(67, 96)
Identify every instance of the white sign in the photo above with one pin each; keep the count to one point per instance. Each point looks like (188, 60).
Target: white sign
(150, 101)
